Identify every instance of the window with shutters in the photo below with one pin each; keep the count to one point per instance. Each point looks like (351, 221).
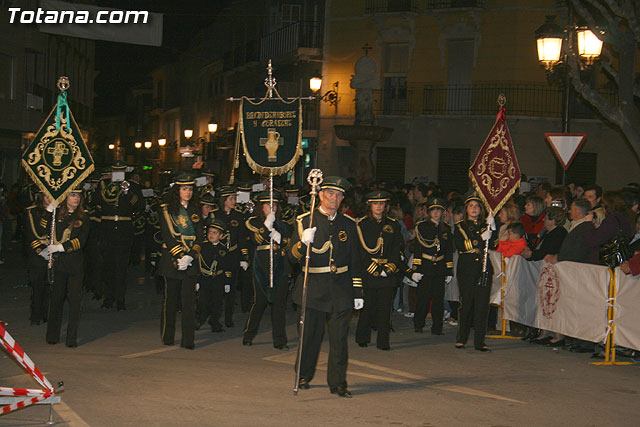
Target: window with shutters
(583, 169)
(459, 75)
(390, 164)
(453, 168)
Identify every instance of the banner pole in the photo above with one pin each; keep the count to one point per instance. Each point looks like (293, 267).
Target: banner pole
(271, 238)
(503, 285)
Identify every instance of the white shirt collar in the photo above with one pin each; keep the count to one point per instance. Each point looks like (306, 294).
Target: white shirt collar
(331, 218)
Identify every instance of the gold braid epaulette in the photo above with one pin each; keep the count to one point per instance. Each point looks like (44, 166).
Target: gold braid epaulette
(379, 242)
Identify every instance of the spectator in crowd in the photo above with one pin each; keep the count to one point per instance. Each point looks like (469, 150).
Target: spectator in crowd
(632, 266)
(420, 194)
(507, 215)
(533, 219)
(515, 243)
(636, 236)
(615, 224)
(574, 247)
(543, 190)
(593, 194)
(552, 238)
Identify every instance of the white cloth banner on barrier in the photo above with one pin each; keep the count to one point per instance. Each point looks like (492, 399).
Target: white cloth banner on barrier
(627, 315)
(452, 291)
(569, 298)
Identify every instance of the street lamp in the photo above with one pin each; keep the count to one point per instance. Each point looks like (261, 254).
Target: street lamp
(162, 141)
(331, 96)
(148, 144)
(138, 145)
(112, 146)
(188, 133)
(212, 126)
(549, 38)
(589, 45)
(315, 83)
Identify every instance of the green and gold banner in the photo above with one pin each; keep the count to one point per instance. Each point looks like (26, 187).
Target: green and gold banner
(58, 158)
(271, 132)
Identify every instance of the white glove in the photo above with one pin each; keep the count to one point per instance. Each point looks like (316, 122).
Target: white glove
(126, 190)
(227, 289)
(416, 277)
(184, 262)
(275, 236)
(197, 287)
(55, 248)
(244, 265)
(51, 207)
(153, 263)
(491, 222)
(448, 279)
(44, 253)
(383, 273)
(486, 234)
(358, 303)
(271, 219)
(307, 235)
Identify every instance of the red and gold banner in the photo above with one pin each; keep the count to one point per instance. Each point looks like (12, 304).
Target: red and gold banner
(495, 173)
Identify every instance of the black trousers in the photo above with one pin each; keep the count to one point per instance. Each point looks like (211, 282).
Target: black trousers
(337, 324)
(186, 290)
(115, 259)
(246, 290)
(473, 310)
(40, 292)
(93, 265)
(430, 290)
(278, 309)
(69, 286)
(376, 311)
(210, 299)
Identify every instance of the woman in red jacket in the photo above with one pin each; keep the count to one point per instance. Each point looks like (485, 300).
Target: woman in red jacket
(533, 220)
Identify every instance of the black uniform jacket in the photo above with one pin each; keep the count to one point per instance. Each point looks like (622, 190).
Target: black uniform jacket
(433, 249)
(238, 240)
(175, 245)
(381, 243)
(117, 210)
(36, 236)
(468, 240)
(71, 232)
(335, 275)
(214, 263)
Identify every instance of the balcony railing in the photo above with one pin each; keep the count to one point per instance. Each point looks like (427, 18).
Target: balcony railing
(387, 6)
(449, 4)
(539, 100)
(289, 39)
(398, 101)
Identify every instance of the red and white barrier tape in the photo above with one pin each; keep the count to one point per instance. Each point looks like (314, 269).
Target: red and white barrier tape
(32, 396)
(16, 351)
(25, 403)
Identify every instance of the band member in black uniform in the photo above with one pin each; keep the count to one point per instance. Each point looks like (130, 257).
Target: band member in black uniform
(182, 239)
(215, 274)
(470, 235)
(262, 227)
(245, 278)
(433, 265)
(237, 244)
(93, 256)
(72, 230)
(334, 284)
(119, 202)
(380, 243)
(37, 240)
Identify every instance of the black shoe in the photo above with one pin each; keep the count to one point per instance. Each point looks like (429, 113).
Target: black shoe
(484, 349)
(384, 347)
(167, 343)
(341, 391)
(542, 341)
(189, 347)
(247, 342)
(303, 384)
(459, 345)
(52, 342)
(363, 344)
(281, 346)
(437, 333)
(228, 324)
(72, 344)
(217, 329)
(418, 330)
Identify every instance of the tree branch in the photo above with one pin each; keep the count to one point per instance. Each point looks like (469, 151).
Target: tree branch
(613, 32)
(630, 13)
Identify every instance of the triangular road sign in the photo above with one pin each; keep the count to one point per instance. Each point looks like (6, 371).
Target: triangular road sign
(565, 146)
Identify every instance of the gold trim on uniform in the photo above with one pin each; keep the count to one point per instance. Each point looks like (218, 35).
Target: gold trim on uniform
(337, 270)
(417, 261)
(449, 264)
(391, 267)
(196, 248)
(295, 250)
(387, 228)
(357, 282)
(234, 223)
(342, 235)
(195, 218)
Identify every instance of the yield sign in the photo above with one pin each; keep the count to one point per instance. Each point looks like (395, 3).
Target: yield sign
(566, 146)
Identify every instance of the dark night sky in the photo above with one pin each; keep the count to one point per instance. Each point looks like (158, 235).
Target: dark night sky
(122, 65)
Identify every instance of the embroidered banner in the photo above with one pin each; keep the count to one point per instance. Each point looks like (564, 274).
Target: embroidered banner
(495, 173)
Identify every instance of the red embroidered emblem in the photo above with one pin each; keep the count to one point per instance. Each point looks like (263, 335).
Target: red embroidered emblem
(549, 290)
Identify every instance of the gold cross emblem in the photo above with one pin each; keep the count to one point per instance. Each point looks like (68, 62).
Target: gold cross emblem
(272, 143)
(58, 150)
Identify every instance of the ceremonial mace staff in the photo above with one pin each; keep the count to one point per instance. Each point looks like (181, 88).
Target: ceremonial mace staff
(315, 179)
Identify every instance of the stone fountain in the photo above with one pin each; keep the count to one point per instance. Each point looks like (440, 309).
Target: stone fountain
(363, 135)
